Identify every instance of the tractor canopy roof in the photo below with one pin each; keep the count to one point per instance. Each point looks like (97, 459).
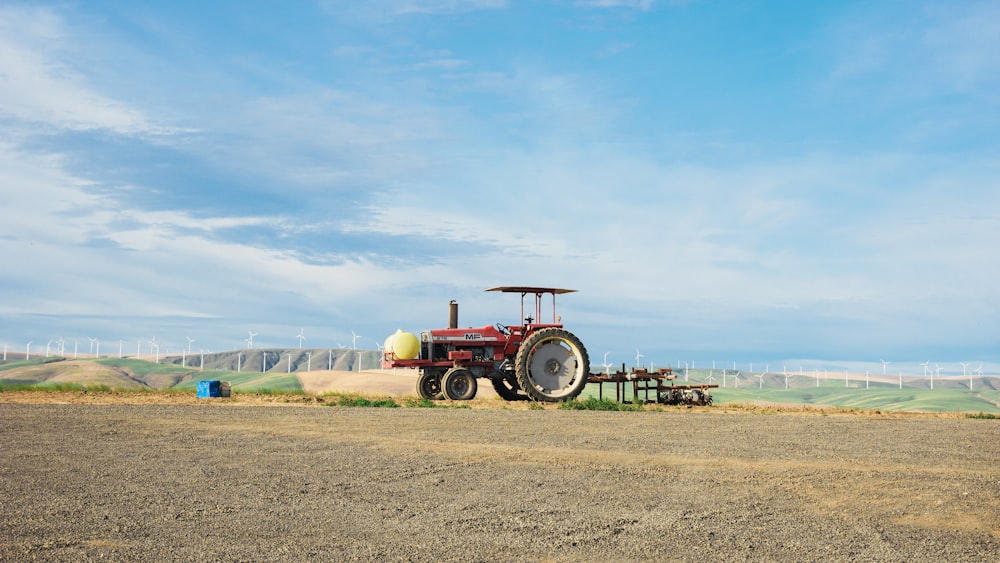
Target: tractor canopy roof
(536, 290)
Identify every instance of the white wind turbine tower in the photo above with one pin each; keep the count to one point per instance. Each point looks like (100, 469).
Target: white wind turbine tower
(607, 366)
(736, 380)
(92, 340)
(47, 345)
(27, 350)
(638, 357)
(250, 340)
(98, 341)
(965, 365)
(301, 337)
(190, 342)
(289, 363)
(784, 371)
(5, 352)
(155, 348)
(309, 361)
(62, 346)
(354, 339)
(239, 359)
(885, 364)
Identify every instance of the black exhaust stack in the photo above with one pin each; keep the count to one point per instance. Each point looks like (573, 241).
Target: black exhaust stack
(453, 314)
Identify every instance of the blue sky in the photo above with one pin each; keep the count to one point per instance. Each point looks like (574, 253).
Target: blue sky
(720, 180)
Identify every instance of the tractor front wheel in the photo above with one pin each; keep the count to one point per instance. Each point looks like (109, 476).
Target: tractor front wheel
(552, 365)
(459, 384)
(429, 385)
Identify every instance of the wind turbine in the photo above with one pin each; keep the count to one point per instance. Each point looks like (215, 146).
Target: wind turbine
(354, 339)
(5, 352)
(885, 364)
(761, 378)
(784, 371)
(190, 342)
(62, 346)
(250, 340)
(289, 363)
(638, 356)
(27, 350)
(937, 368)
(92, 340)
(736, 380)
(329, 360)
(47, 348)
(607, 366)
(926, 364)
(239, 358)
(964, 365)
(301, 337)
(98, 341)
(154, 346)
(978, 371)
(309, 361)
(200, 367)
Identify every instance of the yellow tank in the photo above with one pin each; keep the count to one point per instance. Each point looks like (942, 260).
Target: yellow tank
(402, 346)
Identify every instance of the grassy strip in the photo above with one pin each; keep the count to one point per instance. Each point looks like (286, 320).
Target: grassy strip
(595, 404)
(983, 415)
(50, 387)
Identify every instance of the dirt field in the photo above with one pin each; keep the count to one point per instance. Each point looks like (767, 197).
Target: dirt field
(210, 480)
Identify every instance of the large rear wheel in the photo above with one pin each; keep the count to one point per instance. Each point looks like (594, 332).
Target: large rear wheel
(552, 365)
(429, 385)
(459, 384)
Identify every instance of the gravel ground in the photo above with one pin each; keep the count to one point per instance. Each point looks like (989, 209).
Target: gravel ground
(222, 482)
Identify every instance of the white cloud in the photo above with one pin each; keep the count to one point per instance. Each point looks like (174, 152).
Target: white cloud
(944, 48)
(37, 86)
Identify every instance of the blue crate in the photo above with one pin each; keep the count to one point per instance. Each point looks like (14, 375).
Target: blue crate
(208, 388)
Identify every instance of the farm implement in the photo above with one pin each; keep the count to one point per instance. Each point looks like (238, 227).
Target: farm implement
(538, 361)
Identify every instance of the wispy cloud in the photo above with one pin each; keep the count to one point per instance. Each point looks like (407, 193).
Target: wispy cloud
(930, 52)
(36, 86)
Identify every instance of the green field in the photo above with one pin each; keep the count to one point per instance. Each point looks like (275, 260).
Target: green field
(245, 382)
(833, 394)
(885, 399)
(115, 373)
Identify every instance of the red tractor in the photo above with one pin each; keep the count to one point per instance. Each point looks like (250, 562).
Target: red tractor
(533, 360)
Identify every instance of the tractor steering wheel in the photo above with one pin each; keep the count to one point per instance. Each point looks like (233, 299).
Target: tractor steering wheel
(503, 329)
